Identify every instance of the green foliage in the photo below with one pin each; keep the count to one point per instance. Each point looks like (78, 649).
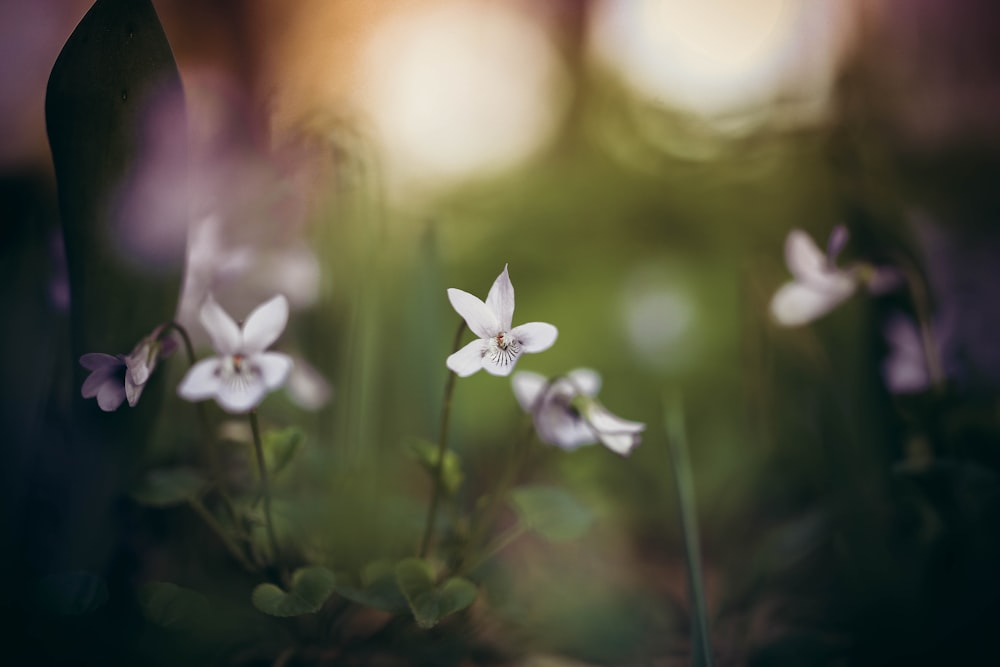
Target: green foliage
(281, 446)
(310, 589)
(551, 512)
(426, 454)
(167, 487)
(429, 601)
(70, 593)
(173, 607)
(378, 587)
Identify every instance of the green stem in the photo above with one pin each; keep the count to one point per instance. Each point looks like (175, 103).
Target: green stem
(449, 390)
(220, 531)
(497, 545)
(264, 487)
(684, 484)
(212, 448)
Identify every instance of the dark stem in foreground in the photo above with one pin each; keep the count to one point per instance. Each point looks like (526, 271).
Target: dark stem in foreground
(701, 653)
(449, 390)
(264, 486)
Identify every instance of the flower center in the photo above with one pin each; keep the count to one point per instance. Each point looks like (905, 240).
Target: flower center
(503, 349)
(237, 370)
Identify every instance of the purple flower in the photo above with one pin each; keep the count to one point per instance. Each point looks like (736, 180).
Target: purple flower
(115, 378)
(568, 415)
(243, 372)
(499, 345)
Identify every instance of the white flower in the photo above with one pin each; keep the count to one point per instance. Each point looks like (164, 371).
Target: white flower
(818, 284)
(115, 378)
(568, 415)
(499, 345)
(243, 372)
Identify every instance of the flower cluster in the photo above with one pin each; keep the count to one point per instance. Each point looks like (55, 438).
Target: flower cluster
(116, 378)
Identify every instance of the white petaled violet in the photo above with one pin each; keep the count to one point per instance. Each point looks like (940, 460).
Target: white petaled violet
(243, 372)
(568, 415)
(116, 378)
(499, 344)
(818, 284)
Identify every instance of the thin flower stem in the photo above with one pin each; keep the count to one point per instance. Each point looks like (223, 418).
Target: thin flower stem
(449, 390)
(212, 448)
(220, 531)
(264, 487)
(684, 484)
(921, 306)
(498, 545)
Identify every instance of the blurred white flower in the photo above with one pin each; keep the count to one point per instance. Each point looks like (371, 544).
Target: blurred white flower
(115, 378)
(818, 284)
(243, 372)
(499, 345)
(307, 387)
(568, 415)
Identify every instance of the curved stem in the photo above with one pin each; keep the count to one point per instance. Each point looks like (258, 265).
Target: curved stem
(218, 529)
(212, 448)
(921, 306)
(449, 390)
(264, 486)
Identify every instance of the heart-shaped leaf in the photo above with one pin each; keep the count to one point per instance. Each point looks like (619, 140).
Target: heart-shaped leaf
(171, 606)
(429, 602)
(170, 486)
(378, 588)
(70, 593)
(551, 512)
(310, 589)
(426, 454)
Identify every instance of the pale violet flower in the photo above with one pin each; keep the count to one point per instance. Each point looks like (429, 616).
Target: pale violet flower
(818, 284)
(116, 378)
(905, 369)
(243, 372)
(567, 413)
(499, 345)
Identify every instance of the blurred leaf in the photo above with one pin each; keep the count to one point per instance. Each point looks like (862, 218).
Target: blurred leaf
(428, 602)
(171, 606)
(280, 447)
(311, 587)
(426, 454)
(170, 486)
(552, 513)
(378, 588)
(70, 593)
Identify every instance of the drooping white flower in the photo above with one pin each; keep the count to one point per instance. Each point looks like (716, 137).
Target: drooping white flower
(243, 372)
(499, 345)
(115, 378)
(567, 413)
(818, 284)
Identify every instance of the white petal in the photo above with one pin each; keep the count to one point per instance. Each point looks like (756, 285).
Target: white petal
(468, 360)
(804, 259)
(265, 324)
(225, 334)
(93, 361)
(904, 369)
(501, 299)
(98, 378)
(585, 381)
(535, 336)
(202, 380)
(132, 390)
(110, 396)
(528, 387)
(501, 365)
(274, 367)
(307, 387)
(239, 397)
(795, 303)
(622, 443)
(476, 314)
(605, 422)
(558, 425)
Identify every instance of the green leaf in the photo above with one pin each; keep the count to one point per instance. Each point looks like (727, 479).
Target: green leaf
(310, 589)
(280, 447)
(70, 593)
(429, 602)
(170, 486)
(171, 606)
(378, 588)
(425, 453)
(551, 512)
